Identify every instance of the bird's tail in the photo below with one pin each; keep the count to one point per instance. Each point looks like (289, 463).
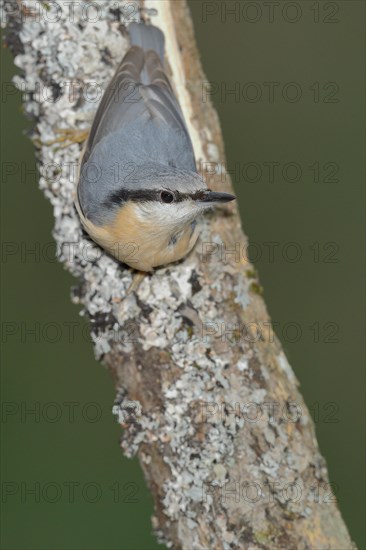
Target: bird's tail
(148, 38)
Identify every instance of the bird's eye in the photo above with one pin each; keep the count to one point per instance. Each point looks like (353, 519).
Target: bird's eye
(167, 196)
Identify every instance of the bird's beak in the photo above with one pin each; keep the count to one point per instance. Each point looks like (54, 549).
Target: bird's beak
(211, 198)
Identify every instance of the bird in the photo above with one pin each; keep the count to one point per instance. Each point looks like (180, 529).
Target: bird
(139, 195)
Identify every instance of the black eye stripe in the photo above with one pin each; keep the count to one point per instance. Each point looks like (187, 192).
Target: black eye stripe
(148, 195)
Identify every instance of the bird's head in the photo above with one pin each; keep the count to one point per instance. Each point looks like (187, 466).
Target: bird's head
(170, 202)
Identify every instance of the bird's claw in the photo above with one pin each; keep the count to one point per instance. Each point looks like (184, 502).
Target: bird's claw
(68, 137)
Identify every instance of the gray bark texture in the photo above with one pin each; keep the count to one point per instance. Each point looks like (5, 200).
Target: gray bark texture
(205, 395)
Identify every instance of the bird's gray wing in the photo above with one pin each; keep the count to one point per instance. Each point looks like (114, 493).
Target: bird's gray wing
(117, 98)
(127, 99)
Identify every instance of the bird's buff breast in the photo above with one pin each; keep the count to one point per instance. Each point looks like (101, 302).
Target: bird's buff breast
(140, 245)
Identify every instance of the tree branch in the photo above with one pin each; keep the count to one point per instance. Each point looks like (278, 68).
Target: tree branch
(206, 396)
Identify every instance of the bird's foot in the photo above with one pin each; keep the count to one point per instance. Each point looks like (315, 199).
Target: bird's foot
(136, 281)
(68, 137)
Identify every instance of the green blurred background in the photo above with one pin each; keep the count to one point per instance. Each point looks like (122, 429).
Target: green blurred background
(322, 292)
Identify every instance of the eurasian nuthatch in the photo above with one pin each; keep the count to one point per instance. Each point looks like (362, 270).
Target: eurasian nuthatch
(138, 184)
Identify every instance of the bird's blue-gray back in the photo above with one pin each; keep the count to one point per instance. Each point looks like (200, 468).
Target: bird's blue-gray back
(139, 137)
